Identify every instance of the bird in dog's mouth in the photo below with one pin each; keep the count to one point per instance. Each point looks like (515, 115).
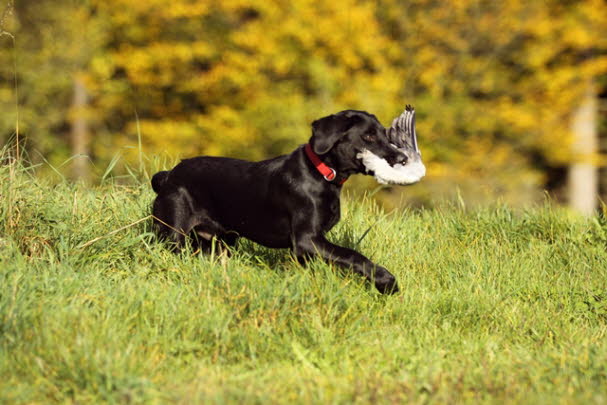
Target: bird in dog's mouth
(403, 137)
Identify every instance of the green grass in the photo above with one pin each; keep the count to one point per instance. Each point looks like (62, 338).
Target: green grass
(495, 306)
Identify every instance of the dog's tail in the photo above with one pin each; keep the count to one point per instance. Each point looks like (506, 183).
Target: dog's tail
(159, 180)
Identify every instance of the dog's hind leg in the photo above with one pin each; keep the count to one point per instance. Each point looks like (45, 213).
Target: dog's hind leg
(173, 216)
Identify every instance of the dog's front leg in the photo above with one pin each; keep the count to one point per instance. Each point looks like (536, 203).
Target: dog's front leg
(310, 245)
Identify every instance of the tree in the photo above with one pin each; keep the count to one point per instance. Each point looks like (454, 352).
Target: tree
(242, 78)
(80, 138)
(494, 83)
(583, 173)
(55, 42)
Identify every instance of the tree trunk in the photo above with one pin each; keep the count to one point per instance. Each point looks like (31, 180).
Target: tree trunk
(583, 172)
(80, 133)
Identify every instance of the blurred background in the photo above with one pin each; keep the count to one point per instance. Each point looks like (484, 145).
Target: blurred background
(510, 95)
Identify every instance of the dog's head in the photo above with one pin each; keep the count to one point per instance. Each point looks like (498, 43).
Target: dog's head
(341, 138)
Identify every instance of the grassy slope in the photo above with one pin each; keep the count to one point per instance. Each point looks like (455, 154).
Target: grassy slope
(495, 305)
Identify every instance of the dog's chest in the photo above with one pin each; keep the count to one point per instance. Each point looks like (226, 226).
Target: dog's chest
(331, 214)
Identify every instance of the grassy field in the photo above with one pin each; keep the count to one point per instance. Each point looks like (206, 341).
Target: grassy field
(495, 306)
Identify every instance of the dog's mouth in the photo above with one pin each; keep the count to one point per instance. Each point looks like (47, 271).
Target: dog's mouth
(378, 167)
(403, 137)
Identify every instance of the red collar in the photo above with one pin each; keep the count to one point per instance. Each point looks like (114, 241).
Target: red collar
(327, 172)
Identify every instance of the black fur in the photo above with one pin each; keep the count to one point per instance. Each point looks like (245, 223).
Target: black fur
(282, 202)
(159, 180)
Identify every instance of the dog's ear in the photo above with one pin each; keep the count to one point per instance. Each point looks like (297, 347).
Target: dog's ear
(327, 131)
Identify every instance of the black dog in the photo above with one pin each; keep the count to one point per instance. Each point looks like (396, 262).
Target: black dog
(290, 201)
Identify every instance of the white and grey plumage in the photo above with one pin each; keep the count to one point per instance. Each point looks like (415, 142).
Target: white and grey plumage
(402, 135)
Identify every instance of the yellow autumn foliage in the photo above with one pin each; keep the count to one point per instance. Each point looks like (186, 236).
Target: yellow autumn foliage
(494, 83)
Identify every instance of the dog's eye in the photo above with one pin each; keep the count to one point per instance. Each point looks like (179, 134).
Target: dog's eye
(370, 137)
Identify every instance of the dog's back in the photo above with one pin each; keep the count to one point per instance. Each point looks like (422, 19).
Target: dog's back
(235, 193)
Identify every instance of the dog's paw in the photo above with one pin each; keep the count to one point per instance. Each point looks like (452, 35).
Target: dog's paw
(386, 283)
